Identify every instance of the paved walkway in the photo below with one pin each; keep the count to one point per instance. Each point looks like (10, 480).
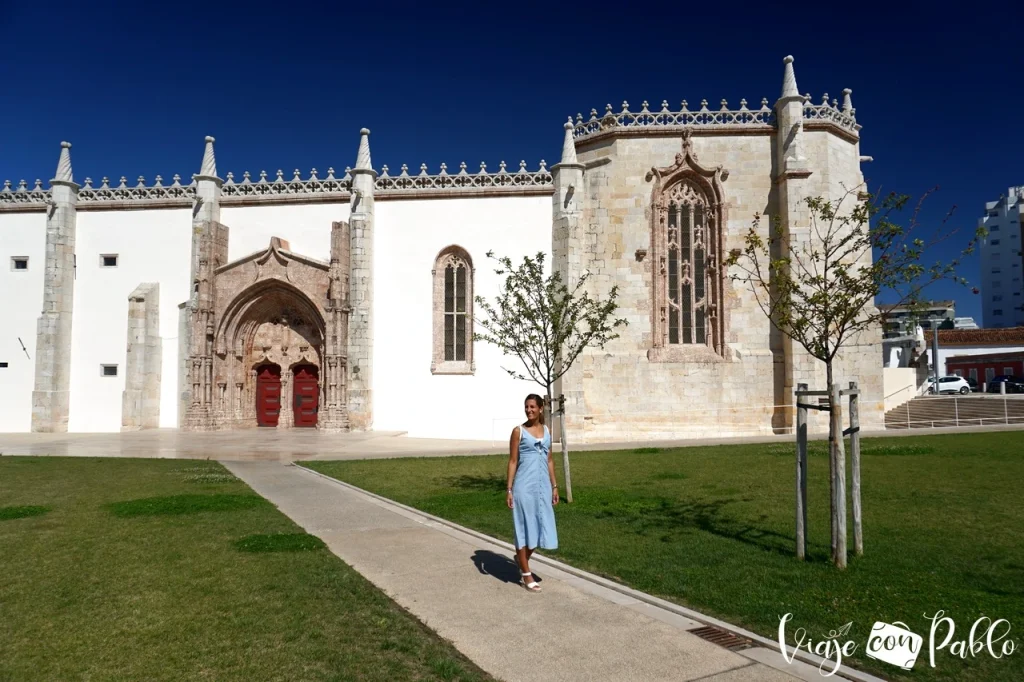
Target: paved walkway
(465, 587)
(309, 444)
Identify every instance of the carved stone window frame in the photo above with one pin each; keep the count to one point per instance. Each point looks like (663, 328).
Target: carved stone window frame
(453, 256)
(708, 182)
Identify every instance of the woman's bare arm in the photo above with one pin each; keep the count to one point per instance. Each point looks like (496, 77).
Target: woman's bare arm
(513, 463)
(554, 481)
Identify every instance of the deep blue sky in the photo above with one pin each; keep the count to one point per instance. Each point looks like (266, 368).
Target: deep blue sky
(136, 85)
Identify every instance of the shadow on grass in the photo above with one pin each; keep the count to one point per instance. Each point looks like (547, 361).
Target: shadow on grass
(667, 517)
(488, 483)
(173, 505)
(11, 513)
(669, 476)
(819, 448)
(501, 567)
(279, 542)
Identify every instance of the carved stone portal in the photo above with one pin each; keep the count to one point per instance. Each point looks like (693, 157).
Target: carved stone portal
(270, 309)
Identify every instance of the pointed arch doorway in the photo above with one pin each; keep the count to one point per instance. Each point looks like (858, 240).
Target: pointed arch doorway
(306, 392)
(268, 395)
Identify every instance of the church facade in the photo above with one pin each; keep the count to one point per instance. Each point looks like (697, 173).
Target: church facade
(345, 301)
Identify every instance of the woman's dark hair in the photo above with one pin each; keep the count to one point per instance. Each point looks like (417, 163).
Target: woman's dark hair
(540, 403)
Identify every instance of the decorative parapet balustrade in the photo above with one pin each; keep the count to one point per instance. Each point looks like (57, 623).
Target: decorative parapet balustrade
(845, 117)
(37, 197)
(312, 189)
(386, 184)
(723, 119)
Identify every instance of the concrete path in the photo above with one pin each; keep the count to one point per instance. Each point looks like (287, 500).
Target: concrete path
(464, 586)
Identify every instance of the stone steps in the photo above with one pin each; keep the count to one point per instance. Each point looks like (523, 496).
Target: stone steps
(927, 412)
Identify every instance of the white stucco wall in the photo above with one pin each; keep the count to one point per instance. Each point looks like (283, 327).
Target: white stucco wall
(152, 246)
(307, 229)
(408, 237)
(21, 302)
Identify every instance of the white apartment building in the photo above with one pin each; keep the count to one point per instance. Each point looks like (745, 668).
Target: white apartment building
(1002, 265)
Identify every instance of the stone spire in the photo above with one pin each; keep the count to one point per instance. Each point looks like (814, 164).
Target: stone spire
(847, 102)
(64, 164)
(209, 167)
(568, 145)
(363, 155)
(789, 88)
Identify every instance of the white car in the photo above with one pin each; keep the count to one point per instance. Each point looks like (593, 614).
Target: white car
(950, 384)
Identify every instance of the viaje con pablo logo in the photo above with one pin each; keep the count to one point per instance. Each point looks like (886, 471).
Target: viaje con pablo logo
(896, 644)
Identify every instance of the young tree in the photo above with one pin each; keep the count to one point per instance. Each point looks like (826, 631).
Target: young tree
(820, 292)
(547, 325)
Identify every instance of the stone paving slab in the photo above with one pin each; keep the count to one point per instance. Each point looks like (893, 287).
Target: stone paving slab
(466, 589)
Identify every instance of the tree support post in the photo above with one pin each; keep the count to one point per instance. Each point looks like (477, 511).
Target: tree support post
(858, 532)
(837, 456)
(565, 449)
(801, 473)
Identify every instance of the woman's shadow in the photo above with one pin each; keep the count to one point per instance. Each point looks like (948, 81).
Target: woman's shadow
(501, 567)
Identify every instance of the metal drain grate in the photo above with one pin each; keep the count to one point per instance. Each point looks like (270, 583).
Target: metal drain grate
(722, 638)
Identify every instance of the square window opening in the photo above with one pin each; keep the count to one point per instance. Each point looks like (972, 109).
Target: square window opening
(19, 263)
(108, 370)
(3, 365)
(108, 260)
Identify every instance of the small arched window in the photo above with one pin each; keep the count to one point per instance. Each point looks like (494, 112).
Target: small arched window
(453, 312)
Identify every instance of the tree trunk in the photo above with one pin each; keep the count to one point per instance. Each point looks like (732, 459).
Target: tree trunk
(831, 458)
(549, 406)
(837, 466)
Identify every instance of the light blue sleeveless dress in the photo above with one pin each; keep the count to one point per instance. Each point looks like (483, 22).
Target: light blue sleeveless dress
(532, 511)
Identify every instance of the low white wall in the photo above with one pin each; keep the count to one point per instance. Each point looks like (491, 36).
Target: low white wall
(408, 237)
(900, 385)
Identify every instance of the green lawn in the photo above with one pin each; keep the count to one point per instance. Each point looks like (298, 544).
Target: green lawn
(713, 528)
(114, 569)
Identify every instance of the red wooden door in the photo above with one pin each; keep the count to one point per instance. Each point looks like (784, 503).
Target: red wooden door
(268, 395)
(306, 394)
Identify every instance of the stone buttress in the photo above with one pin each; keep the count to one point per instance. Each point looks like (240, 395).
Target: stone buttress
(51, 395)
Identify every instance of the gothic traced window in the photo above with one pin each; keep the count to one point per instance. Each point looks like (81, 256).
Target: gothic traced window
(688, 212)
(453, 312)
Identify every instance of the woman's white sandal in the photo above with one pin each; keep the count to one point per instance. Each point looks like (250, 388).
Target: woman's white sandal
(532, 586)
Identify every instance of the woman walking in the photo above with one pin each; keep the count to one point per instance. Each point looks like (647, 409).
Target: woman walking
(532, 488)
